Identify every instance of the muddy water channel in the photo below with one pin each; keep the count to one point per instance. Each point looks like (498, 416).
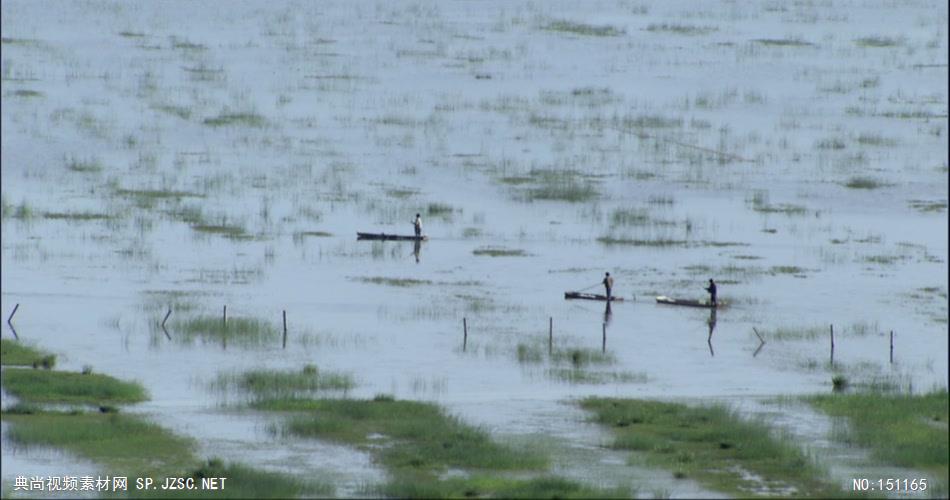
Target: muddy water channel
(187, 157)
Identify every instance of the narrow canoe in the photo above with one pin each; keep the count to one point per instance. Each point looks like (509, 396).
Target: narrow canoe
(590, 296)
(663, 299)
(384, 236)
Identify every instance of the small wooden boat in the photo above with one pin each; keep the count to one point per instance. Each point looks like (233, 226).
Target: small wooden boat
(663, 299)
(591, 296)
(384, 236)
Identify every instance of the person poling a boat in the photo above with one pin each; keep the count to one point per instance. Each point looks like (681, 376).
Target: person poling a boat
(608, 285)
(712, 292)
(417, 224)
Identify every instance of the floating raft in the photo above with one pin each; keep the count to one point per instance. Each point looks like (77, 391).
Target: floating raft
(384, 236)
(590, 296)
(663, 299)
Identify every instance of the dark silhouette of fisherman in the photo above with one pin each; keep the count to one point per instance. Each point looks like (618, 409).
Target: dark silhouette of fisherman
(712, 292)
(608, 285)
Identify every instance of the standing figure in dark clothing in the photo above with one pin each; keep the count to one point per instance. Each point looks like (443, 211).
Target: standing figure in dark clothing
(609, 285)
(417, 224)
(712, 292)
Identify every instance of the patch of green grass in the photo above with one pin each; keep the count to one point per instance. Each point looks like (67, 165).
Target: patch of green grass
(610, 240)
(179, 111)
(760, 203)
(243, 331)
(877, 42)
(408, 485)
(579, 357)
(711, 445)
(681, 29)
(928, 205)
(863, 182)
(27, 93)
(400, 282)
(76, 216)
(582, 376)
(629, 217)
(84, 166)
(783, 42)
(244, 482)
(15, 353)
(500, 252)
(300, 235)
(156, 194)
(900, 429)
(276, 384)
(47, 386)
(124, 443)
(439, 210)
(407, 435)
(529, 353)
(875, 140)
(226, 230)
(236, 120)
(583, 29)
(558, 185)
(787, 270)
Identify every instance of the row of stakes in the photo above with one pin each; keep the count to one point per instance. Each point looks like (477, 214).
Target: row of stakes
(224, 319)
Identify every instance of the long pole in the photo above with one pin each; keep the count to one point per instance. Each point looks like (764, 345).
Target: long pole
(550, 335)
(464, 334)
(832, 344)
(285, 329)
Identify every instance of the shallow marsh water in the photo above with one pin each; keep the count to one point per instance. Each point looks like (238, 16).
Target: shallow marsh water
(285, 118)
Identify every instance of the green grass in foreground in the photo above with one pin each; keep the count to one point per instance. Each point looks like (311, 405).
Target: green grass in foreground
(245, 482)
(902, 430)
(124, 443)
(711, 445)
(14, 353)
(273, 383)
(43, 386)
(417, 441)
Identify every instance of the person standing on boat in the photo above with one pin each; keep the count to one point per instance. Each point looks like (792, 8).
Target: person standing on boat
(608, 284)
(712, 291)
(418, 225)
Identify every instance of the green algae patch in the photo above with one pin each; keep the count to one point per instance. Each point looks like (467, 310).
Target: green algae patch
(15, 353)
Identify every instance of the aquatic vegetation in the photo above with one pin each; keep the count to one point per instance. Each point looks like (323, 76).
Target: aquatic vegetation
(862, 182)
(15, 353)
(399, 282)
(500, 252)
(711, 445)
(877, 42)
(783, 42)
(636, 242)
(69, 387)
(242, 331)
(245, 482)
(77, 216)
(900, 429)
(928, 205)
(429, 439)
(681, 29)
(273, 383)
(583, 29)
(583, 376)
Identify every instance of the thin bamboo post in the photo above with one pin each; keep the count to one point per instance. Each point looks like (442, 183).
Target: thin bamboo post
(224, 316)
(9, 319)
(464, 334)
(169, 313)
(892, 346)
(761, 340)
(603, 345)
(832, 344)
(285, 329)
(550, 335)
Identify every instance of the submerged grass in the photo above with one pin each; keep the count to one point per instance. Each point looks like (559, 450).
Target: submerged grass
(124, 443)
(400, 282)
(245, 482)
(500, 252)
(583, 29)
(69, 387)
(244, 331)
(711, 445)
(274, 383)
(900, 429)
(862, 182)
(406, 434)
(14, 353)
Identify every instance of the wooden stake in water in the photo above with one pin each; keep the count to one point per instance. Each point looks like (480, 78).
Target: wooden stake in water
(550, 335)
(603, 346)
(224, 316)
(9, 319)
(892, 346)
(464, 334)
(832, 344)
(169, 313)
(285, 329)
